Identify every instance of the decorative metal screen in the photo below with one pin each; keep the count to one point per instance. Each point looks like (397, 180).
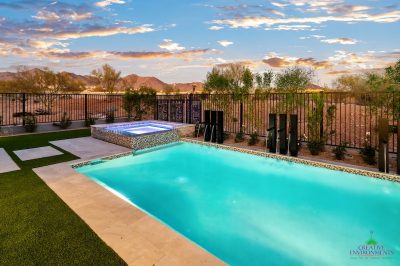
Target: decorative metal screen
(177, 111)
(162, 110)
(196, 112)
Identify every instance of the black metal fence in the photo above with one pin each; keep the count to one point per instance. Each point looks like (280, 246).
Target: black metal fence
(355, 116)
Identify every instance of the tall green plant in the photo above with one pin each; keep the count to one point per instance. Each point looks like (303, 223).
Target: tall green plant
(316, 138)
(138, 102)
(127, 102)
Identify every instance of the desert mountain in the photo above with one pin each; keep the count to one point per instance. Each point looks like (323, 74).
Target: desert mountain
(133, 80)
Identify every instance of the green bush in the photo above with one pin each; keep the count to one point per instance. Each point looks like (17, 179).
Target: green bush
(340, 151)
(315, 146)
(65, 121)
(239, 137)
(226, 135)
(110, 116)
(30, 123)
(90, 121)
(368, 153)
(253, 139)
(139, 102)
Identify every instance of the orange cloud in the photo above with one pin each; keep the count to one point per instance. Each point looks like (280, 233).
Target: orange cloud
(257, 21)
(54, 16)
(279, 62)
(126, 55)
(338, 72)
(99, 32)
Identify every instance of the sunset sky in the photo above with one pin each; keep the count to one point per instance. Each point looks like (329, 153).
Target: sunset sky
(179, 41)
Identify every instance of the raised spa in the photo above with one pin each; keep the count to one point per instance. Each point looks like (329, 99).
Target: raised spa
(143, 134)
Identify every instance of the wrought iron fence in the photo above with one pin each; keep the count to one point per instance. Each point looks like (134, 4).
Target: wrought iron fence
(355, 116)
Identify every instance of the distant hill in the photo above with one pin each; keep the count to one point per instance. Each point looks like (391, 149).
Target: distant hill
(136, 81)
(132, 80)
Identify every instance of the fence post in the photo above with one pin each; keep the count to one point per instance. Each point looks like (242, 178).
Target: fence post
(398, 147)
(86, 107)
(241, 115)
(321, 125)
(190, 108)
(156, 109)
(23, 108)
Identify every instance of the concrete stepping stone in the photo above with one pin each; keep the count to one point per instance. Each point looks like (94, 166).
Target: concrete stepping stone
(37, 153)
(6, 163)
(88, 147)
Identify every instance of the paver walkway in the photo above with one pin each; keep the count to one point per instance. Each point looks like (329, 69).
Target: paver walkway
(36, 153)
(88, 147)
(6, 163)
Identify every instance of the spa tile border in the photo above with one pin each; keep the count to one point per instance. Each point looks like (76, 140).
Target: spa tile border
(118, 155)
(106, 158)
(378, 175)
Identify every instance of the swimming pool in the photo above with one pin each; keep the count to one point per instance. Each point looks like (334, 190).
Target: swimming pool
(251, 210)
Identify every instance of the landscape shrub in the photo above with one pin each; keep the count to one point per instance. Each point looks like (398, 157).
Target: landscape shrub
(253, 139)
(239, 136)
(315, 146)
(65, 121)
(340, 151)
(90, 121)
(368, 152)
(110, 116)
(30, 123)
(226, 135)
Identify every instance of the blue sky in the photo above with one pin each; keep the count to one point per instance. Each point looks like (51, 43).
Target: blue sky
(179, 41)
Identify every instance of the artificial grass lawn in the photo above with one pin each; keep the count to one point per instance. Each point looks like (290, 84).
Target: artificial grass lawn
(36, 226)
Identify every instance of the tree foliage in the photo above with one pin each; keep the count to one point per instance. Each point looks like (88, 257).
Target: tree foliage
(393, 75)
(235, 79)
(375, 90)
(294, 79)
(107, 78)
(44, 83)
(263, 82)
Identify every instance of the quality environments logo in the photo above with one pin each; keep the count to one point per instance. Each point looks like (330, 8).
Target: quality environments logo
(371, 249)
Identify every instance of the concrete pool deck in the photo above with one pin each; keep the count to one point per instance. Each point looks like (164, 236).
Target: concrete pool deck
(136, 237)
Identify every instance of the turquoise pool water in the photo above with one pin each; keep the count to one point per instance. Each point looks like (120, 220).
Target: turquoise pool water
(250, 210)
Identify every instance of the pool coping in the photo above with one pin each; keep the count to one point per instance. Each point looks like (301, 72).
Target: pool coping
(137, 237)
(347, 169)
(379, 175)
